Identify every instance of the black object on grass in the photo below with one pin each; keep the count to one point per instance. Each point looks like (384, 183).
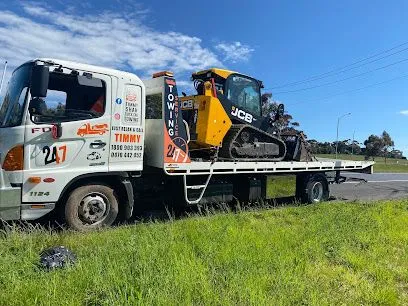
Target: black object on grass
(56, 257)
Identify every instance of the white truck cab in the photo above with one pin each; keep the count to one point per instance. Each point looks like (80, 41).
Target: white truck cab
(61, 121)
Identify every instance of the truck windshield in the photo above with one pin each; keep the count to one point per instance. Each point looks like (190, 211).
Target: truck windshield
(12, 107)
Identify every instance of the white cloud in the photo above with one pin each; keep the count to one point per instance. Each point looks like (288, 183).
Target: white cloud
(106, 39)
(235, 52)
(185, 86)
(183, 83)
(404, 112)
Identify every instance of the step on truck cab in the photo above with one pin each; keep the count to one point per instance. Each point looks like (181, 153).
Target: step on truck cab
(90, 142)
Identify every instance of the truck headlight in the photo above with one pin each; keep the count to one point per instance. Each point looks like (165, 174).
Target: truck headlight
(14, 160)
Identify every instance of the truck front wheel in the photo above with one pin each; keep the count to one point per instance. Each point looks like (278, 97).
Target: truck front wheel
(90, 207)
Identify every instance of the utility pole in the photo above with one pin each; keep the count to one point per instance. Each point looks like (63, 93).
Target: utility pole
(352, 143)
(2, 78)
(338, 123)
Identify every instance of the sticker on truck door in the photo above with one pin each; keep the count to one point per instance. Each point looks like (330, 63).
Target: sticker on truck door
(126, 132)
(133, 106)
(54, 154)
(96, 129)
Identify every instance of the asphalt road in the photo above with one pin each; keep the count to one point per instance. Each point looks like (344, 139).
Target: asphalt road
(379, 186)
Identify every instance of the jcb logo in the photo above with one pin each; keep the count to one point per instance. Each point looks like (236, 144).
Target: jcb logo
(188, 104)
(236, 112)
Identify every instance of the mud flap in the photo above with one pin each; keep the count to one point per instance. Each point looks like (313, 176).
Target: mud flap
(130, 197)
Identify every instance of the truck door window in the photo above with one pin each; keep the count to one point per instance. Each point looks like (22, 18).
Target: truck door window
(68, 100)
(55, 103)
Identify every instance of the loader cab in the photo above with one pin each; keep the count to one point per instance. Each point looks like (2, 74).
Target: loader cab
(240, 90)
(245, 92)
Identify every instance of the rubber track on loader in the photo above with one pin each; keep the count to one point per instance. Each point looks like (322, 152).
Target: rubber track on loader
(225, 151)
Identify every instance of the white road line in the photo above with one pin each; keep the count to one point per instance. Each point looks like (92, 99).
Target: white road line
(388, 181)
(376, 181)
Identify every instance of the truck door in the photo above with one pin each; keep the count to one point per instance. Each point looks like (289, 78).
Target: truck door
(70, 137)
(127, 131)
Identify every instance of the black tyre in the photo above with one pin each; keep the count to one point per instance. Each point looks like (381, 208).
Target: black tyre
(91, 207)
(317, 189)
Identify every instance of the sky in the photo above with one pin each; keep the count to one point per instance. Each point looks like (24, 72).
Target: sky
(322, 59)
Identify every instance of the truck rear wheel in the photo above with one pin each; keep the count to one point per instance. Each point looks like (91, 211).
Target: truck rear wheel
(91, 207)
(317, 189)
(312, 188)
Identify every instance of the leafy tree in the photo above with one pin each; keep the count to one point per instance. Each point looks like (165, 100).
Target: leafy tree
(321, 147)
(396, 154)
(387, 144)
(355, 147)
(378, 145)
(373, 146)
(285, 123)
(344, 147)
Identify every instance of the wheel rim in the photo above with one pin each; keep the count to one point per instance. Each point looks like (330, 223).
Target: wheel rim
(317, 192)
(93, 208)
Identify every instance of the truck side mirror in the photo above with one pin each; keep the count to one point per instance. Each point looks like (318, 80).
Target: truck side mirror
(37, 107)
(39, 81)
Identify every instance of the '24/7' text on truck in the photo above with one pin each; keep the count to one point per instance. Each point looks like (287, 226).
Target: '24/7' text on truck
(90, 141)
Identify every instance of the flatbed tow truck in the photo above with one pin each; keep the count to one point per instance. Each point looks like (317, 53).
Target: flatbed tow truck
(92, 142)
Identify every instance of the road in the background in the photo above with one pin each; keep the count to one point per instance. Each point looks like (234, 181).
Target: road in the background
(380, 186)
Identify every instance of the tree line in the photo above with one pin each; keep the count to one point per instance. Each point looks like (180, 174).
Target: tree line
(375, 145)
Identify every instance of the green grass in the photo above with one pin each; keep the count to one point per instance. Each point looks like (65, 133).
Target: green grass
(279, 186)
(393, 165)
(330, 253)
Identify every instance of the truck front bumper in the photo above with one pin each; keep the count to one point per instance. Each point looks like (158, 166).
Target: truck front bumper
(11, 207)
(10, 199)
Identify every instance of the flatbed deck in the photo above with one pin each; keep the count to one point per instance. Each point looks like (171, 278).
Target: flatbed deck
(230, 167)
